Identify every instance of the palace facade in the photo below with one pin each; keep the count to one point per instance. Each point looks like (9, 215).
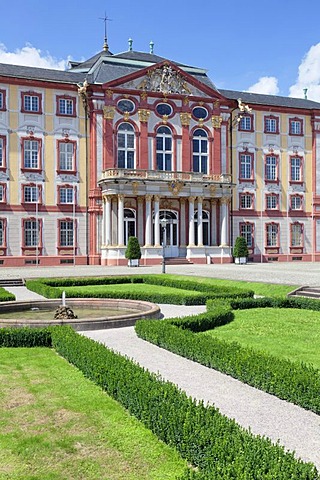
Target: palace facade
(133, 144)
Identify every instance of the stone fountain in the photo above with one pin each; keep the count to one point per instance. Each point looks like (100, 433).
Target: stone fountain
(63, 312)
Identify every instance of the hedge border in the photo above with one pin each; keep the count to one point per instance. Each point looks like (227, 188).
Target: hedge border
(295, 382)
(52, 288)
(217, 447)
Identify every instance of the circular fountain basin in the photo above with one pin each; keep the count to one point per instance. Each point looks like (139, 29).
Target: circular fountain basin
(129, 312)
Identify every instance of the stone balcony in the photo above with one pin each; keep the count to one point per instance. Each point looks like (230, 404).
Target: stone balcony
(166, 176)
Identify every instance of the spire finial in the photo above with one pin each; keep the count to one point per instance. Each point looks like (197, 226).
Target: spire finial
(151, 46)
(130, 42)
(105, 19)
(305, 90)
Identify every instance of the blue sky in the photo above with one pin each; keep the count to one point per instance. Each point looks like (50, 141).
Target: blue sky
(271, 47)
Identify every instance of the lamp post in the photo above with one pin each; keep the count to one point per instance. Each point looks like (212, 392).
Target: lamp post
(163, 223)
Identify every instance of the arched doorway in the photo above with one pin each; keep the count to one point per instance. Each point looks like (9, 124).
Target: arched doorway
(169, 234)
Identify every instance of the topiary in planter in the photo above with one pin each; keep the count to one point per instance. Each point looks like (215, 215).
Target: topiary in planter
(240, 250)
(133, 251)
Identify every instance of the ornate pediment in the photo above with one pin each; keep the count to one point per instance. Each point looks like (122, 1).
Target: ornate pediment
(165, 80)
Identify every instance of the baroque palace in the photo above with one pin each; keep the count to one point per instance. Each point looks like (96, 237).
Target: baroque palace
(133, 144)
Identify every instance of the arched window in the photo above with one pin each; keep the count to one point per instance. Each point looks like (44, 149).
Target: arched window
(164, 148)
(129, 224)
(126, 151)
(200, 151)
(205, 227)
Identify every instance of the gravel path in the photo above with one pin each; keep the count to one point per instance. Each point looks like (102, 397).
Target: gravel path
(296, 429)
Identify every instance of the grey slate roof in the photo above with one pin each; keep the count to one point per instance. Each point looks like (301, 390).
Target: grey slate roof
(35, 73)
(103, 67)
(272, 100)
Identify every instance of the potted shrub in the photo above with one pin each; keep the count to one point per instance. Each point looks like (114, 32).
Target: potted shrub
(133, 252)
(240, 250)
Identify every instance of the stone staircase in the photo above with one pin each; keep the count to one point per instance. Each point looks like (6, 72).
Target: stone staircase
(12, 282)
(309, 292)
(178, 261)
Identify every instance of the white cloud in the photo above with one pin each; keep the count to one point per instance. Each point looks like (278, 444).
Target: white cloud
(265, 85)
(31, 57)
(308, 76)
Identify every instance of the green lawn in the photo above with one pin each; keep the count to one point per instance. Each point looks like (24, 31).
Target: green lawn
(56, 425)
(285, 332)
(265, 289)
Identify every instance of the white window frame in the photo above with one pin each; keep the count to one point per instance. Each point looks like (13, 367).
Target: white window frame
(31, 154)
(31, 233)
(31, 103)
(66, 156)
(127, 150)
(295, 169)
(66, 106)
(271, 168)
(67, 233)
(200, 158)
(164, 154)
(246, 167)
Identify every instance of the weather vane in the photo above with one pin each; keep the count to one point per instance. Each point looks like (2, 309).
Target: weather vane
(105, 19)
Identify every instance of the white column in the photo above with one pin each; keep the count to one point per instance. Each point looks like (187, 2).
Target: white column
(200, 229)
(140, 220)
(156, 221)
(224, 221)
(103, 223)
(213, 221)
(107, 221)
(191, 221)
(182, 222)
(120, 220)
(148, 221)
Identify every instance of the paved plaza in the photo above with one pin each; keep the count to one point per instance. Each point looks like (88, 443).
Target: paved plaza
(293, 273)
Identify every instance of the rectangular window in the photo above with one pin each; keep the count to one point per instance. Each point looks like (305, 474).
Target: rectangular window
(271, 125)
(66, 156)
(295, 169)
(1, 100)
(1, 152)
(2, 233)
(66, 106)
(30, 194)
(66, 195)
(271, 168)
(31, 233)
(296, 235)
(246, 169)
(295, 126)
(245, 123)
(31, 154)
(296, 202)
(272, 234)
(245, 201)
(272, 202)
(246, 231)
(31, 102)
(66, 233)
(2, 193)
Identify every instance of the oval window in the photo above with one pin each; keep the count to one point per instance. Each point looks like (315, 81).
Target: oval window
(164, 109)
(126, 106)
(200, 112)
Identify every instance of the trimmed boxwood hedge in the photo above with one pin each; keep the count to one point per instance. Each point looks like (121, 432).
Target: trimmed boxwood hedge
(25, 337)
(6, 296)
(53, 288)
(292, 381)
(215, 446)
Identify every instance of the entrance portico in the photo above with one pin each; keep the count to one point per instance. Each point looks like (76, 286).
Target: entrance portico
(195, 206)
